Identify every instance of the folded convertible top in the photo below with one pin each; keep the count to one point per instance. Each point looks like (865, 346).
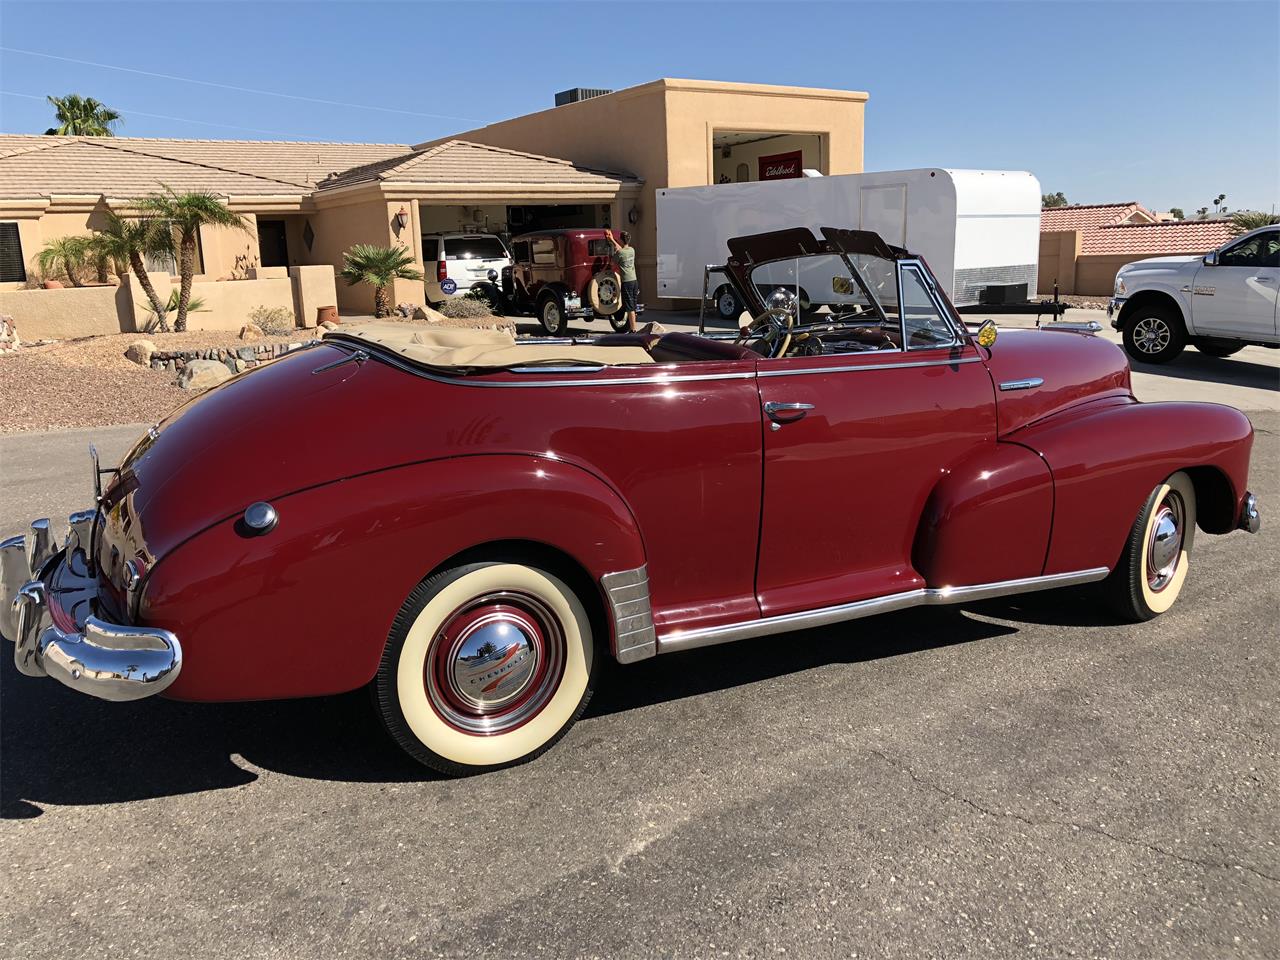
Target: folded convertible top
(455, 347)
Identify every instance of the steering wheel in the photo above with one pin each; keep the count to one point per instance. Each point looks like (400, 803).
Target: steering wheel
(772, 329)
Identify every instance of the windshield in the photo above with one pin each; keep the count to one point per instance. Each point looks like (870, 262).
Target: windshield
(474, 248)
(827, 288)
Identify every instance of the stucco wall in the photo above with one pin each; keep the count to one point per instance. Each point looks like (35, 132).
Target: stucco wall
(1059, 250)
(58, 314)
(338, 228)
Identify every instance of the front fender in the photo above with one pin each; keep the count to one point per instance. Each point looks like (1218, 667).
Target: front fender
(1106, 461)
(305, 609)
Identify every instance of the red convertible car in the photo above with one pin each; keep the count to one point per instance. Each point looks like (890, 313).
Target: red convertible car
(477, 523)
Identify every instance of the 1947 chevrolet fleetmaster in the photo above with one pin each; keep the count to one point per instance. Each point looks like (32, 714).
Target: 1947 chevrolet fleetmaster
(479, 523)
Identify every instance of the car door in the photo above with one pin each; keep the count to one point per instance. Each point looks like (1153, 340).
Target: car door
(1236, 293)
(854, 444)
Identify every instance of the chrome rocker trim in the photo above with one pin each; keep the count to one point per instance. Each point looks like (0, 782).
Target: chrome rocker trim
(110, 661)
(806, 619)
(627, 592)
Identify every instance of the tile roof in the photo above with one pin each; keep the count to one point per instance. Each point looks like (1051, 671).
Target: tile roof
(91, 169)
(1089, 216)
(1178, 237)
(460, 161)
(126, 166)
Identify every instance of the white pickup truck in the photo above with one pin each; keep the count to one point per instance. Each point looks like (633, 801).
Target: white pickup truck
(1220, 302)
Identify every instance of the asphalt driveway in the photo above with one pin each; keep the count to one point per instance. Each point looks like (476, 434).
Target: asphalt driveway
(1008, 779)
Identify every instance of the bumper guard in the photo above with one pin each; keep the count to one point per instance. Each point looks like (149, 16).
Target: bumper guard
(47, 597)
(1250, 518)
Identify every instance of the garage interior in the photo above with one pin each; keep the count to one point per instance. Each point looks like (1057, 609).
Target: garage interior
(742, 156)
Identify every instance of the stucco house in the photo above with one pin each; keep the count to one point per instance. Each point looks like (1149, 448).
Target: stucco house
(1083, 246)
(588, 162)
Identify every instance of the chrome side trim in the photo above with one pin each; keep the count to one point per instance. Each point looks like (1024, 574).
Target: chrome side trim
(627, 593)
(1029, 383)
(807, 619)
(870, 366)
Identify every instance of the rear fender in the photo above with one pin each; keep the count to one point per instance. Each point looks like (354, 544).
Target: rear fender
(1106, 462)
(325, 585)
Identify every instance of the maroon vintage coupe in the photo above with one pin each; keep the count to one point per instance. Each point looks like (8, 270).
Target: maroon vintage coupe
(477, 523)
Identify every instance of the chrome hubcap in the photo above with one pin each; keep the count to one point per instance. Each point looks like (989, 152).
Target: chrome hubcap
(1164, 549)
(494, 663)
(1151, 335)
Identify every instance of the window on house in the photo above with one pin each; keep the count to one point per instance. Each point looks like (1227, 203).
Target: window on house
(168, 263)
(12, 267)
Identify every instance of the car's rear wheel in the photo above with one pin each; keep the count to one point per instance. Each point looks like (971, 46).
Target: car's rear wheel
(551, 315)
(1153, 567)
(1154, 335)
(604, 293)
(487, 665)
(1218, 348)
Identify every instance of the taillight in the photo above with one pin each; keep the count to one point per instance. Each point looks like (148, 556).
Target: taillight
(442, 272)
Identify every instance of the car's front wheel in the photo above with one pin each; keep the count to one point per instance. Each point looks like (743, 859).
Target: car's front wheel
(1154, 335)
(487, 664)
(1153, 567)
(551, 315)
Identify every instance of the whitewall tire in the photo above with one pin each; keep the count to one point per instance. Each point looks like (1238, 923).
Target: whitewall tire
(1157, 555)
(487, 664)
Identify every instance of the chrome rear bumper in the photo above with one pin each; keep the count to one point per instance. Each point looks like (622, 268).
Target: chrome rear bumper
(47, 599)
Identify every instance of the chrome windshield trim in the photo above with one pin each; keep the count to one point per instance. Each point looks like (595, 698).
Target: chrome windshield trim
(807, 619)
(869, 366)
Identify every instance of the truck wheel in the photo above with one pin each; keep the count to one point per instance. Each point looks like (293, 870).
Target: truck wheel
(727, 305)
(1218, 348)
(1154, 335)
(487, 665)
(604, 293)
(551, 315)
(1153, 567)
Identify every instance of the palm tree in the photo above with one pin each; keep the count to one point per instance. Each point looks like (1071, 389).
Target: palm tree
(185, 214)
(1246, 220)
(67, 254)
(126, 243)
(379, 267)
(79, 116)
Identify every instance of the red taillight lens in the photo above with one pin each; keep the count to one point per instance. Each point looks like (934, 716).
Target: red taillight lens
(442, 272)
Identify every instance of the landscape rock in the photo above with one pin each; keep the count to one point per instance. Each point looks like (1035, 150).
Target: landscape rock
(9, 339)
(140, 352)
(241, 366)
(202, 374)
(251, 331)
(245, 353)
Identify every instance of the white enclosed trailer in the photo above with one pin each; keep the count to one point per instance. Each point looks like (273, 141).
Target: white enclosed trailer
(976, 228)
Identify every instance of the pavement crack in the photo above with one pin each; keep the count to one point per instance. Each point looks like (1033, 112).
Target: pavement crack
(1068, 824)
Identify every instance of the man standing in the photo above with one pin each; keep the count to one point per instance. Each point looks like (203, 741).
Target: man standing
(624, 255)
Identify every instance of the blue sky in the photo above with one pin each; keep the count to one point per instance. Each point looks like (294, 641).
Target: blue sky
(1168, 103)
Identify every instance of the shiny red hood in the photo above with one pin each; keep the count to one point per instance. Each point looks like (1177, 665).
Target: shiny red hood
(1074, 367)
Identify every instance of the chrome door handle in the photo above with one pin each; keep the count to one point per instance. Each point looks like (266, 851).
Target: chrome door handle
(1261, 279)
(773, 407)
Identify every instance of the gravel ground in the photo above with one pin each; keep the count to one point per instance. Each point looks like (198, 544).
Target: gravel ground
(87, 382)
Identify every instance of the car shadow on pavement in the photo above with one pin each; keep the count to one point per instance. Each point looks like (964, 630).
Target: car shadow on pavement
(1193, 365)
(62, 748)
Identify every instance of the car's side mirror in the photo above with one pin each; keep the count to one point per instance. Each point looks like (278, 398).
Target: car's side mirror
(1211, 258)
(987, 334)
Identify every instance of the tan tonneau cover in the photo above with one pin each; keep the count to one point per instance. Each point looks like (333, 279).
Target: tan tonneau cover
(453, 347)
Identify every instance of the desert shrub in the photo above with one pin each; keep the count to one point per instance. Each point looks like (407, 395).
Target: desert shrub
(465, 308)
(273, 321)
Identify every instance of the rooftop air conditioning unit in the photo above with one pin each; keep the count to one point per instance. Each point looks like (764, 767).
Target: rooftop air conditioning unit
(579, 93)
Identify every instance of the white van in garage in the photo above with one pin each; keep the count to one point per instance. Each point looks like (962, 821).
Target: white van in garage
(456, 261)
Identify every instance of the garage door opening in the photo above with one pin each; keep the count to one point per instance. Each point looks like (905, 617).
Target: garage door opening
(745, 156)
